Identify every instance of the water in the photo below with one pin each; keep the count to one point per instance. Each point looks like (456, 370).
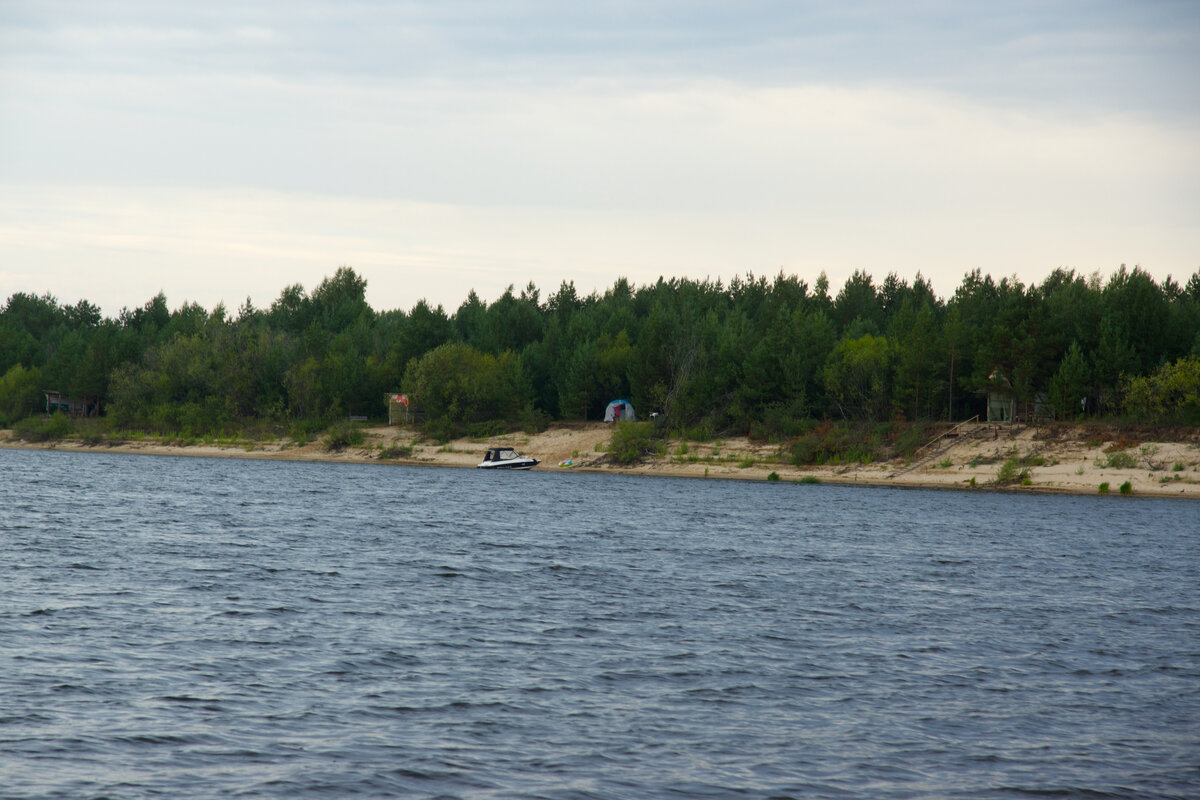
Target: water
(198, 628)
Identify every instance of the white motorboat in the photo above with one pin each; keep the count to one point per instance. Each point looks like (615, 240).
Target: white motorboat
(506, 458)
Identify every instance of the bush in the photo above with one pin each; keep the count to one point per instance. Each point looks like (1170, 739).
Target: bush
(1104, 488)
(704, 433)
(779, 422)
(1126, 488)
(774, 476)
(534, 420)
(342, 435)
(396, 451)
(20, 393)
(1012, 471)
(486, 430)
(1121, 459)
(631, 441)
(836, 444)
(43, 429)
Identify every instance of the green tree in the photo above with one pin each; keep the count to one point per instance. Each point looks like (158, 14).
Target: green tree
(455, 384)
(1171, 394)
(1070, 384)
(20, 393)
(340, 300)
(857, 377)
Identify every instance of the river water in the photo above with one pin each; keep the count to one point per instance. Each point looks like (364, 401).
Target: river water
(204, 628)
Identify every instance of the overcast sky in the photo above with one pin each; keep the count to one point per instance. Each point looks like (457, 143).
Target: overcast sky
(224, 150)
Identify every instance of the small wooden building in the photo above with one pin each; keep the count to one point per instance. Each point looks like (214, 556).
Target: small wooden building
(73, 406)
(1001, 399)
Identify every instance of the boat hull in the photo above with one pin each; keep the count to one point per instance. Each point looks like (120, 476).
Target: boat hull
(512, 463)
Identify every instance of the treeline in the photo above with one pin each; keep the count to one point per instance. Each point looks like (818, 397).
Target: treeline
(755, 356)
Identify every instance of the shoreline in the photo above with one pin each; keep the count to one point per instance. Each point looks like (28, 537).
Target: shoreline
(1053, 464)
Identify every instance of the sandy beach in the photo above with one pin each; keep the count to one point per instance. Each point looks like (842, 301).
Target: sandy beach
(1060, 459)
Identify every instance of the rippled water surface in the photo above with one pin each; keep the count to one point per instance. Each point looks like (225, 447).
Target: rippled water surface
(175, 627)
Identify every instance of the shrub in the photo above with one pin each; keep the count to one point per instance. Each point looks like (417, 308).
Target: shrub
(810, 479)
(631, 441)
(487, 429)
(20, 393)
(774, 476)
(1104, 488)
(43, 429)
(1012, 471)
(342, 435)
(396, 451)
(1177, 466)
(1126, 488)
(835, 444)
(1119, 460)
(534, 420)
(910, 440)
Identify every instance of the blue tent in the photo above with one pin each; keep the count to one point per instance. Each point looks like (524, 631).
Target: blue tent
(619, 411)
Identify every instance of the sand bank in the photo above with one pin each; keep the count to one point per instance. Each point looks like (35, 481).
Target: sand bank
(1050, 459)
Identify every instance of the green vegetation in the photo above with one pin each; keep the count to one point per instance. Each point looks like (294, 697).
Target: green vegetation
(1104, 488)
(43, 429)
(1016, 468)
(342, 435)
(1126, 488)
(1118, 459)
(774, 476)
(395, 451)
(633, 440)
(832, 378)
(1011, 471)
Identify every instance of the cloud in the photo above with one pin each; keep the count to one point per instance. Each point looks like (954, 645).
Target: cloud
(218, 150)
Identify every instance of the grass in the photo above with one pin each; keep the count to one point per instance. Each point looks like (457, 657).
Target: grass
(1126, 488)
(1104, 488)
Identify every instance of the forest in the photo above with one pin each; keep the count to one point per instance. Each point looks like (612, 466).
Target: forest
(758, 356)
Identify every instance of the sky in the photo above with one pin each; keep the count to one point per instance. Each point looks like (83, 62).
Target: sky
(222, 151)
